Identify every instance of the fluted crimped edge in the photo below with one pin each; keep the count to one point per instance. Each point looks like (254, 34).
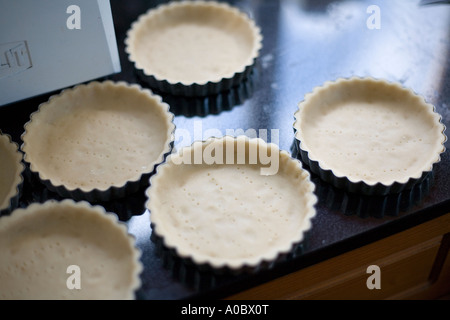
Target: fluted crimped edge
(194, 89)
(112, 192)
(16, 188)
(225, 266)
(136, 283)
(361, 186)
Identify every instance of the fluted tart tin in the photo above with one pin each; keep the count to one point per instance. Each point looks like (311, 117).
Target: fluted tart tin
(193, 48)
(368, 135)
(98, 141)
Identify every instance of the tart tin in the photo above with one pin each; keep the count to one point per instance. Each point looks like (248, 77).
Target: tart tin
(15, 171)
(42, 241)
(203, 277)
(167, 215)
(69, 103)
(169, 31)
(376, 206)
(364, 206)
(35, 191)
(213, 104)
(327, 95)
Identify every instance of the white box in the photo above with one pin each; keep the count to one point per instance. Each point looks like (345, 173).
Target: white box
(47, 45)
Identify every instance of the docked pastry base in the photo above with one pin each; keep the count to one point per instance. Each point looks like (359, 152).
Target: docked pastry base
(230, 216)
(67, 250)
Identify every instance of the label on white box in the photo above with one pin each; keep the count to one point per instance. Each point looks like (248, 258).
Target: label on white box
(14, 58)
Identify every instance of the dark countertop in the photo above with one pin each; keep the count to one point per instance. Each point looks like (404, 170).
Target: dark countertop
(305, 44)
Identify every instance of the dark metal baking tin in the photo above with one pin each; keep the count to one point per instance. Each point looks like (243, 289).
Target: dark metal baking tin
(341, 198)
(125, 208)
(359, 187)
(14, 200)
(372, 206)
(96, 195)
(203, 276)
(195, 89)
(214, 104)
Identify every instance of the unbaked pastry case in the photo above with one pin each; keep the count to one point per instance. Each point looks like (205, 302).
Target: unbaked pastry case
(193, 48)
(305, 43)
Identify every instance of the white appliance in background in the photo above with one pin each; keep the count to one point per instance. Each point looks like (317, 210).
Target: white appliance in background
(47, 45)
